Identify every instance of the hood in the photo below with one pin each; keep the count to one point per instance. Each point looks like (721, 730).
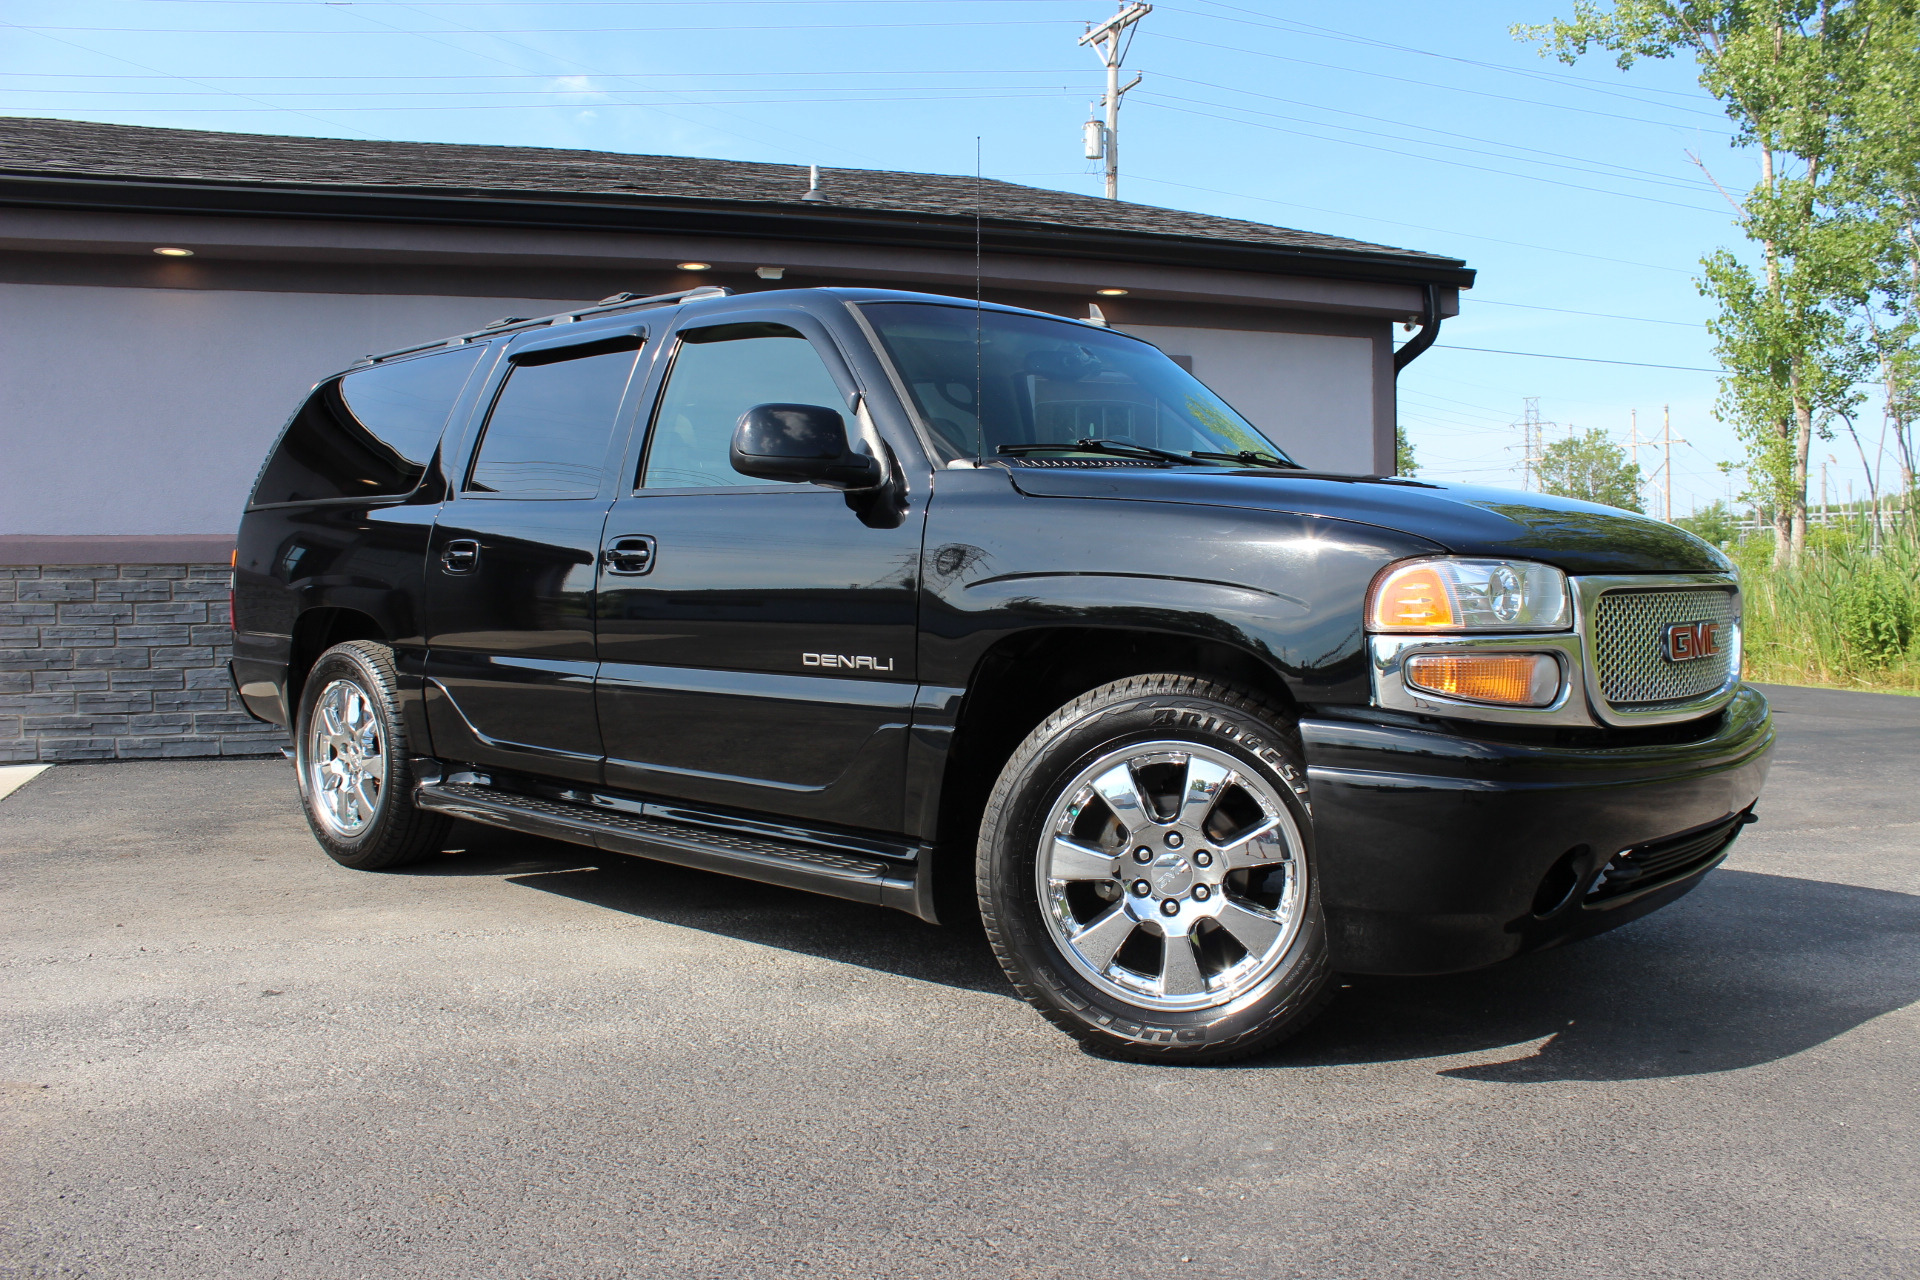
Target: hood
(1468, 520)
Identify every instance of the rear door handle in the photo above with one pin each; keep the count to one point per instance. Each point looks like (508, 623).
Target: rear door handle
(461, 556)
(631, 555)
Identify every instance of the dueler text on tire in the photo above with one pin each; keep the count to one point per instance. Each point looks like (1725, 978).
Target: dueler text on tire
(1145, 872)
(350, 753)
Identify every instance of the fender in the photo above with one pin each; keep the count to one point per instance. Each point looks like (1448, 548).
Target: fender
(1287, 588)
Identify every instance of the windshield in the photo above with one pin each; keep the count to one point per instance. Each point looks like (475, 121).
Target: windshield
(1039, 382)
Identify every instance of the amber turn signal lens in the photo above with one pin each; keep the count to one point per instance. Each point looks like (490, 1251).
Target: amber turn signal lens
(1412, 596)
(1506, 679)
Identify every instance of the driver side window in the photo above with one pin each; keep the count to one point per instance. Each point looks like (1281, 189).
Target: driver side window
(718, 374)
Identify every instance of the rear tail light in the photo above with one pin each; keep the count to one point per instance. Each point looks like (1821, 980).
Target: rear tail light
(233, 567)
(1504, 679)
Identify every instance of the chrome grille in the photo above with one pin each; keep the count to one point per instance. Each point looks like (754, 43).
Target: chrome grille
(1630, 644)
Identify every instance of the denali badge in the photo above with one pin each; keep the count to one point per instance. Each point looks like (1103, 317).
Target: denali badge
(859, 663)
(1689, 640)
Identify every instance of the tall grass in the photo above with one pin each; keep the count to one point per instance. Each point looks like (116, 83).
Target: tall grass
(1848, 615)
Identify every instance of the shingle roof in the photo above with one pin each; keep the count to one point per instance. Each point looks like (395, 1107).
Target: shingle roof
(77, 149)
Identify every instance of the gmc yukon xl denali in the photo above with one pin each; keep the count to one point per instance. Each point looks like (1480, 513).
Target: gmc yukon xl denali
(955, 608)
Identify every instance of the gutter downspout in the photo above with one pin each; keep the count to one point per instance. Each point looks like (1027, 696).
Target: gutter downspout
(1429, 330)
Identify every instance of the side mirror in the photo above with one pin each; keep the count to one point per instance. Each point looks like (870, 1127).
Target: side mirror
(800, 443)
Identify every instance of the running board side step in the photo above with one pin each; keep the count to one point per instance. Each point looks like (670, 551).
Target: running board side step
(898, 883)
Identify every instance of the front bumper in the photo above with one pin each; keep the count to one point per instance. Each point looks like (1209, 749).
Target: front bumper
(1439, 852)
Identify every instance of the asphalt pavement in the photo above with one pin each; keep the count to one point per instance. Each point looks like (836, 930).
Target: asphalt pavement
(221, 1055)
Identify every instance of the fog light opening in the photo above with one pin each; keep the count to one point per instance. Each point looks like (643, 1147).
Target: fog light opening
(1562, 881)
(1503, 679)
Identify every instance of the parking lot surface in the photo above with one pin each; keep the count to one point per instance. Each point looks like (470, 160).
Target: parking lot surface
(223, 1055)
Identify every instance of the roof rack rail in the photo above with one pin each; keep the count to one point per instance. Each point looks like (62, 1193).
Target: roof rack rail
(509, 324)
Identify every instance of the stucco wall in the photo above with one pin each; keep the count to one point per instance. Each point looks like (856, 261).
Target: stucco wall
(1312, 394)
(148, 411)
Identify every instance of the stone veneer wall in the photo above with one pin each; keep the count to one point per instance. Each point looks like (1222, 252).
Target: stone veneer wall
(120, 662)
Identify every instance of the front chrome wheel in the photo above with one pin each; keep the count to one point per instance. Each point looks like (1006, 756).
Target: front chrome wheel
(346, 759)
(1171, 875)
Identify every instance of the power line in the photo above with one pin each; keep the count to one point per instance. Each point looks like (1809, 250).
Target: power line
(1424, 84)
(1392, 222)
(549, 75)
(1588, 167)
(540, 31)
(1566, 311)
(566, 106)
(1415, 155)
(1609, 88)
(1542, 355)
(1449, 133)
(75, 44)
(815, 144)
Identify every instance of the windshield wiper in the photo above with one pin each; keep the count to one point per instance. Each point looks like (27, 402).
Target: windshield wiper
(1251, 458)
(1128, 449)
(1117, 448)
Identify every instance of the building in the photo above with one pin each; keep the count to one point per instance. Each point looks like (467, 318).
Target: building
(139, 388)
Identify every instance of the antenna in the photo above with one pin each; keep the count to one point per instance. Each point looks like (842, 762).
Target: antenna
(979, 417)
(1110, 40)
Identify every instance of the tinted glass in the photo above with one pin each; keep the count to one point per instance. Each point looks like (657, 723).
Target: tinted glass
(718, 375)
(547, 435)
(1030, 380)
(368, 434)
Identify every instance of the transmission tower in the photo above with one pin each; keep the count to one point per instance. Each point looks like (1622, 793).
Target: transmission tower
(1533, 440)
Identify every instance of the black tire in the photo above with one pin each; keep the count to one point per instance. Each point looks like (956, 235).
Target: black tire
(395, 832)
(1234, 728)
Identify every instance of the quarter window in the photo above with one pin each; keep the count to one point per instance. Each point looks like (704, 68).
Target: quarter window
(368, 434)
(547, 434)
(718, 374)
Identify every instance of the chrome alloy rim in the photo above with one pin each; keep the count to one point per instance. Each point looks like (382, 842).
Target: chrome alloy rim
(1171, 875)
(346, 759)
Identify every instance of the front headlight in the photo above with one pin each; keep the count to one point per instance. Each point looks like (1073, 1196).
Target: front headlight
(1444, 594)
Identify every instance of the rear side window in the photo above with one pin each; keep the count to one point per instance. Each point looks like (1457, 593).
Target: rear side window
(547, 435)
(368, 434)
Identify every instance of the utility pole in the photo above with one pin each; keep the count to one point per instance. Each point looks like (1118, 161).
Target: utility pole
(1110, 40)
(1633, 439)
(1667, 441)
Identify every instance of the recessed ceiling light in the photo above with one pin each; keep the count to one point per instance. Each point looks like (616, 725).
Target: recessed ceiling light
(169, 252)
(1111, 293)
(696, 266)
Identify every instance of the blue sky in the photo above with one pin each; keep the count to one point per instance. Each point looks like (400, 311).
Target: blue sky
(1424, 125)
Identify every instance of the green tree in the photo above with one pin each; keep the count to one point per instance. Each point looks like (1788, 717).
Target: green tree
(1785, 71)
(1713, 524)
(1404, 463)
(1880, 180)
(1593, 468)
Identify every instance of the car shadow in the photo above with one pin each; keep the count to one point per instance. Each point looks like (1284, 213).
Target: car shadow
(1747, 969)
(877, 938)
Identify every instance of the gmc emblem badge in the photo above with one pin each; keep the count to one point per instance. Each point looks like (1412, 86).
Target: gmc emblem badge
(1689, 640)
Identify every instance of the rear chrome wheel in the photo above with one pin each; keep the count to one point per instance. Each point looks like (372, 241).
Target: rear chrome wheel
(353, 764)
(1172, 875)
(345, 759)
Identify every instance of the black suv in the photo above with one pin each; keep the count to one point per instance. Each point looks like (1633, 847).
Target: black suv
(926, 603)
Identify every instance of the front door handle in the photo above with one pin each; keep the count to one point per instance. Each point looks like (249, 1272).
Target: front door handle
(631, 555)
(461, 556)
